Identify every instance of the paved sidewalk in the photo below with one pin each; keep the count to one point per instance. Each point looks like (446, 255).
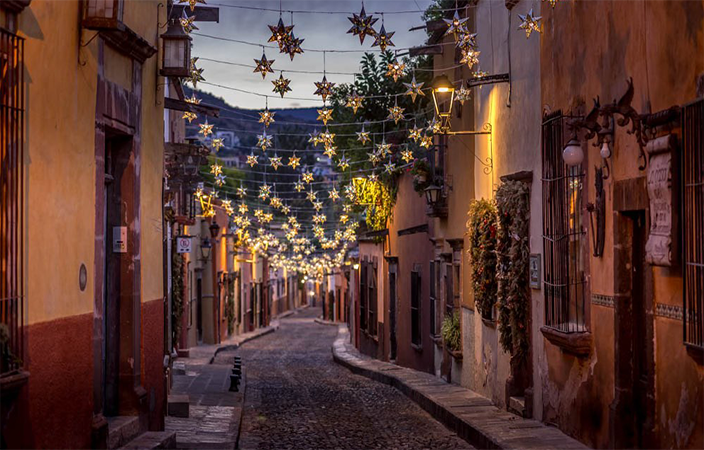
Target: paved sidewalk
(471, 416)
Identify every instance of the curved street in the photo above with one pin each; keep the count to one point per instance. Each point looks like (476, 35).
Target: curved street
(297, 397)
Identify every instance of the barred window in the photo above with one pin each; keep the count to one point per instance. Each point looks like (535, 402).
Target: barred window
(693, 221)
(433, 299)
(563, 199)
(373, 292)
(363, 295)
(11, 201)
(415, 308)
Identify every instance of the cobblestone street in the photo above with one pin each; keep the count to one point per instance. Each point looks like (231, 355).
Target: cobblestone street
(297, 397)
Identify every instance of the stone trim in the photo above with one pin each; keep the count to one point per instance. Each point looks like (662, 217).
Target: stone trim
(603, 300)
(674, 312)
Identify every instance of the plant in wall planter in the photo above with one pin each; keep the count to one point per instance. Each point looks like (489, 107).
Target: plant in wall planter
(482, 232)
(421, 176)
(452, 334)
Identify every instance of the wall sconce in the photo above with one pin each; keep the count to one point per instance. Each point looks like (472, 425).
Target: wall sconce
(432, 194)
(103, 14)
(443, 99)
(214, 229)
(205, 247)
(176, 61)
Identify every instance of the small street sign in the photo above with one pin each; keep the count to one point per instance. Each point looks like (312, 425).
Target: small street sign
(183, 244)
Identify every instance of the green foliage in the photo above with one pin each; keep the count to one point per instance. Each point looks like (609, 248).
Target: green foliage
(422, 177)
(435, 10)
(513, 205)
(451, 331)
(177, 292)
(481, 228)
(230, 306)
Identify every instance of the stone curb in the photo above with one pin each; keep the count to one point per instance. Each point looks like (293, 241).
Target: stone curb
(476, 420)
(231, 347)
(325, 322)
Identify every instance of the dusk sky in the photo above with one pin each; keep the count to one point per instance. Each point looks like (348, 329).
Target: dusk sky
(320, 31)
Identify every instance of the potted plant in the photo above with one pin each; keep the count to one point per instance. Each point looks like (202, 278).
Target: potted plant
(421, 175)
(452, 334)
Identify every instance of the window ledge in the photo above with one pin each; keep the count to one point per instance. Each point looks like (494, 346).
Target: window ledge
(696, 352)
(578, 344)
(417, 347)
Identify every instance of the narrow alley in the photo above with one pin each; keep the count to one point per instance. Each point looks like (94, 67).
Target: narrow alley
(297, 397)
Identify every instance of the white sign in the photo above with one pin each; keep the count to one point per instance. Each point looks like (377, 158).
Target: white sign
(183, 244)
(659, 248)
(119, 239)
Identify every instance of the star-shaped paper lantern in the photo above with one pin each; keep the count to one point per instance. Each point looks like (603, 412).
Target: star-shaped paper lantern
(266, 117)
(281, 85)
(227, 206)
(275, 202)
(434, 126)
(327, 137)
(344, 163)
(324, 115)
(324, 88)
(390, 168)
(354, 101)
(462, 94)
(318, 205)
(193, 100)
(344, 218)
(383, 149)
(263, 66)
(192, 3)
(286, 210)
(426, 141)
(363, 136)
(333, 194)
(415, 133)
(307, 177)
(263, 141)
(373, 177)
(190, 116)
(529, 23)
(383, 39)
(275, 162)
(264, 191)
(467, 40)
(330, 151)
(268, 217)
(350, 191)
(315, 138)
(252, 160)
(319, 218)
(407, 156)
(395, 70)
(298, 186)
(216, 144)
(241, 192)
(294, 161)
(362, 25)
(194, 73)
(293, 46)
(552, 2)
(374, 158)
(205, 129)
(243, 208)
(219, 179)
(414, 89)
(279, 32)
(455, 25)
(311, 196)
(470, 57)
(187, 22)
(395, 113)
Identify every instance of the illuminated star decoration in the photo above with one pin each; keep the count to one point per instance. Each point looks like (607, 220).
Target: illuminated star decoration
(243, 208)
(347, 208)
(192, 3)
(462, 95)
(275, 202)
(193, 100)
(344, 163)
(414, 89)
(293, 46)
(187, 22)
(374, 158)
(252, 160)
(333, 194)
(383, 39)
(281, 85)
(426, 141)
(467, 40)
(275, 162)
(362, 25)
(327, 137)
(390, 167)
(188, 115)
(330, 151)
(264, 191)
(266, 117)
(280, 33)
(216, 169)
(307, 177)
(311, 196)
(219, 179)
(407, 156)
(324, 115)
(241, 191)
(263, 141)
(470, 57)
(395, 113)
(552, 2)
(315, 138)
(354, 101)
(324, 88)
(529, 23)
(285, 209)
(455, 25)
(216, 144)
(395, 70)
(298, 186)
(205, 129)
(373, 177)
(383, 149)
(434, 126)
(263, 66)
(195, 74)
(227, 206)
(363, 136)
(415, 133)
(294, 161)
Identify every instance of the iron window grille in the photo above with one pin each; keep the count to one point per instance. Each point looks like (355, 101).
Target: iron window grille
(433, 299)
(373, 291)
(564, 281)
(415, 308)
(693, 222)
(363, 293)
(11, 201)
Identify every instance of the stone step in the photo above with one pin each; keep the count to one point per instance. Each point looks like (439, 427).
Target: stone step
(517, 405)
(178, 405)
(122, 429)
(151, 440)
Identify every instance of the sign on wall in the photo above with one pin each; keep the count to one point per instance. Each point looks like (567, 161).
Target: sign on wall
(661, 249)
(119, 239)
(183, 244)
(534, 265)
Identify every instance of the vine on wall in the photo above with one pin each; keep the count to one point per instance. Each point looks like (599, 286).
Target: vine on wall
(230, 305)
(176, 293)
(481, 229)
(512, 203)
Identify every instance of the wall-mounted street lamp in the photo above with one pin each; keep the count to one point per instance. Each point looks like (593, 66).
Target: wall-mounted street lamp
(103, 14)
(176, 61)
(205, 247)
(214, 229)
(432, 194)
(443, 99)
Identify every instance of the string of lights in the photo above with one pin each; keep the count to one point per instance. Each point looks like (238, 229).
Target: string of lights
(307, 11)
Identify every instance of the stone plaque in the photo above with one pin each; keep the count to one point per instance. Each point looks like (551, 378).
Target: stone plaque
(660, 249)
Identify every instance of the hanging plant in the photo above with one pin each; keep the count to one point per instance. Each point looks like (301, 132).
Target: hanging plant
(481, 229)
(513, 205)
(421, 176)
(450, 331)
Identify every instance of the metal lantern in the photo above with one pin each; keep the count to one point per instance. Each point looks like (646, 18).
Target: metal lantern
(573, 153)
(205, 247)
(432, 194)
(103, 14)
(443, 98)
(214, 229)
(177, 52)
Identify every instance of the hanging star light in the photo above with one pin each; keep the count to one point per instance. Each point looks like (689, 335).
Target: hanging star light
(294, 161)
(344, 218)
(243, 208)
(205, 129)
(383, 39)
(293, 46)
(334, 194)
(389, 167)
(311, 196)
(188, 115)
(194, 73)
(315, 138)
(275, 162)
(268, 217)
(374, 158)
(462, 95)
(216, 144)
(347, 208)
(192, 3)
(363, 136)
(264, 191)
(362, 25)
(308, 177)
(407, 156)
(373, 177)
(324, 88)
(227, 206)
(529, 23)
(455, 25)
(395, 70)
(426, 141)
(383, 149)
(327, 138)
(470, 57)
(219, 179)
(350, 191)
(324, 115)
(263, 141)
(263, 66)
(344, 163)
(317, 206)
(319, 218)
(414, 133)
(279, 32)
(187, 22)
(552, 2)
(193, 100)
(285, 209)
(434, 126)
(467, 40)
(395, 113)
(281, 85)
(330, 151)
(414, 89)
(275, 202)
(241, 192)
(354, 101)
(216, 169)
(298, 186)
(252, 160)
(266, 117)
